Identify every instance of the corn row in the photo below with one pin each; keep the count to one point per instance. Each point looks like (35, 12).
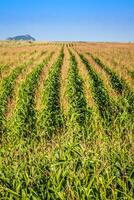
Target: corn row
(24, 116)
(105, 105)
(50, 117)
(78, 111)
(6, 89)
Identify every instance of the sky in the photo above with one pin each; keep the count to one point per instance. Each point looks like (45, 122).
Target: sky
(68, 20)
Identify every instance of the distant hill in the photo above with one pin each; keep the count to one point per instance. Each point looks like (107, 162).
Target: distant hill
(22, 37)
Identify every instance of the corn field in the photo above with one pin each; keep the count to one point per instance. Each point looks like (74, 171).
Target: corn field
(66, 121)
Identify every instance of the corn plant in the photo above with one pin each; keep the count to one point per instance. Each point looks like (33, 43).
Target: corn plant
(2, 69)
(78, 111)
(132, 74)
(50, 117)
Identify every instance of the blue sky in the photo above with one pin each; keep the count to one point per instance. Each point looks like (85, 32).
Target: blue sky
(86, 20)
